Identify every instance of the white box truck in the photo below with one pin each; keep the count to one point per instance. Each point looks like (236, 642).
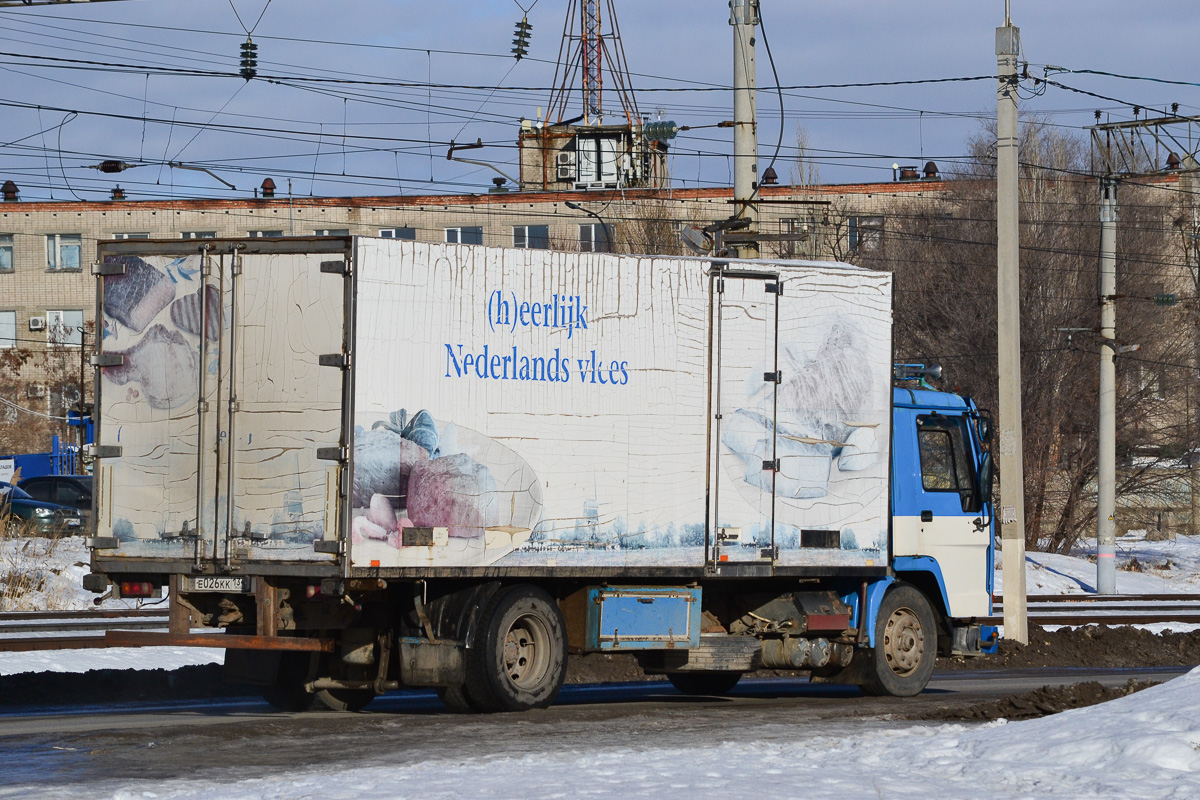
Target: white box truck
(378, 463)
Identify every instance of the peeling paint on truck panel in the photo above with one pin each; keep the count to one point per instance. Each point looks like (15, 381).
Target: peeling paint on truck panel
(552, 409)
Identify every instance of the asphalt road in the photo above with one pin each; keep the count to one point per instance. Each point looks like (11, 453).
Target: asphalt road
(99, 747)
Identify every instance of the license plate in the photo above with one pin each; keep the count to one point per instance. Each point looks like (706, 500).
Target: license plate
(217, 583)
(73, 522)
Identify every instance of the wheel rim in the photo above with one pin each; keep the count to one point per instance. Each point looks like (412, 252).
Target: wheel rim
(527, 651)
(903, 641)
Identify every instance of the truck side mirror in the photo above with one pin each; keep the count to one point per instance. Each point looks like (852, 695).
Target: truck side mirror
(985, 428)
(987, 475)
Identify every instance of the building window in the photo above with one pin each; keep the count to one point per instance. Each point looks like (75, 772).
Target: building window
(531, 237)
(595, 238)
(198, 235)
(62, 250)
(8, 330)
(131, 236)
(865, 233)
(807, 241)
(64, 328)
(265, 234)
(6, 252)
(468, 235)
(332, 232)
(399, 233)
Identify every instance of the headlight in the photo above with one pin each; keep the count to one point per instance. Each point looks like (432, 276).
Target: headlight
(43, 512)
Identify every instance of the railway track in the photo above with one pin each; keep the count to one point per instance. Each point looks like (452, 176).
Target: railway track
(22, 631)
(61, 630)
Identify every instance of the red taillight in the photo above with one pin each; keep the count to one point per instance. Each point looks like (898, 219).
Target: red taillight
(137, 589)
(312, 590)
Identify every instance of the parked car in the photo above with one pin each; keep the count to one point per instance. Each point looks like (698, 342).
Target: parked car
(21, 513)
(65, 490)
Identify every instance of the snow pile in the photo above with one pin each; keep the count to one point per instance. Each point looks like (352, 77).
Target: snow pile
(45, 574)
(1144, 746)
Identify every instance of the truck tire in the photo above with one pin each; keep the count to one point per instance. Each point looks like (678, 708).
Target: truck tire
(905, 645)
(287, 692)
(457, 699)
(716, 684)
(519, 659)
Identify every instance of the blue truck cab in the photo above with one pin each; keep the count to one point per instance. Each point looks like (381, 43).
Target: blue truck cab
(942, 526)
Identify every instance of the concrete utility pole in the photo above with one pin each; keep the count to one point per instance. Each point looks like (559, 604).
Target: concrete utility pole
(743, 17)
(1008, 297)
(1106, 480)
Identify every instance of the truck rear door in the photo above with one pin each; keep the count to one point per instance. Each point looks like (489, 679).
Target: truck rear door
(219, 378)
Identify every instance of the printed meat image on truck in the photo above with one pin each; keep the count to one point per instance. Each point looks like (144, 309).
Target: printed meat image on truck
(377, 463)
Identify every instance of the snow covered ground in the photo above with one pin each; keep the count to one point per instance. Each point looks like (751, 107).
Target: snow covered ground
(1166, 567)
(1145, 746)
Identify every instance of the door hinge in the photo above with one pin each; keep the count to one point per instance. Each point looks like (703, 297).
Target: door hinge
(720, 286)
(339, 360)
(104, 451)
(103, 542)
(107, 360)
(332, 453)
(335, 267)
(773, 377)
(772, 465)
(333, 546)
(774, 288)
(108, 268)
(236, 266)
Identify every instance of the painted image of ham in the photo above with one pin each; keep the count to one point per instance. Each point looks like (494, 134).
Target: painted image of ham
(136, 297)
(163, 364)
(383, 462)
(185, 312)
(454, 492)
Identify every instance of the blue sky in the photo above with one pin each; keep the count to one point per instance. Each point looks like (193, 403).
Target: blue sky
(345, 139)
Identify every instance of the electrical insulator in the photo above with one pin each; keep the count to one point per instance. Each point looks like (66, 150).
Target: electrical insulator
(659, 131)
(521, 38)
(249, 59)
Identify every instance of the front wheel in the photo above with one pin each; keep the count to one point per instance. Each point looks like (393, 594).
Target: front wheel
(519, 659)
(716, 684)
(905, 649)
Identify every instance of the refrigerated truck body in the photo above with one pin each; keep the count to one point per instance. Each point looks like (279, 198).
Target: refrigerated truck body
(379, 463)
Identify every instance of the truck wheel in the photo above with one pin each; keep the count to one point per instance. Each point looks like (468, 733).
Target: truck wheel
(905, 645)
(520, 655)
(457, 699)
(717, 684)
(287, 692)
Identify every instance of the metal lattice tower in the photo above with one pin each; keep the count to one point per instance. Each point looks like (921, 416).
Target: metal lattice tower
(587, 52)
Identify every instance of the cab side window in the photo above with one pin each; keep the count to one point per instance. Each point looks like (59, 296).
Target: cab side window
(945, 461)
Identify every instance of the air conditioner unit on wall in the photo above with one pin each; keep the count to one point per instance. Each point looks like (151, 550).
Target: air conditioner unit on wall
(37, 323)
(35, 390)
(566, 165)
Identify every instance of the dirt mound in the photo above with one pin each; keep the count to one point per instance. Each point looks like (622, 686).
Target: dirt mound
(1039, 703)
(116, 686)
(1089, 646)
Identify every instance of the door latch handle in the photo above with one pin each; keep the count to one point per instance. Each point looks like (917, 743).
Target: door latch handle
(926, 516)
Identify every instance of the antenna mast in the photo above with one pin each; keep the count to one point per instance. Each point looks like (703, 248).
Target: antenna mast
(592, 48)
(589, 51)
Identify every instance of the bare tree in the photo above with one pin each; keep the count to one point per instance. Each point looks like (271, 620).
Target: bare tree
(943, 253)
